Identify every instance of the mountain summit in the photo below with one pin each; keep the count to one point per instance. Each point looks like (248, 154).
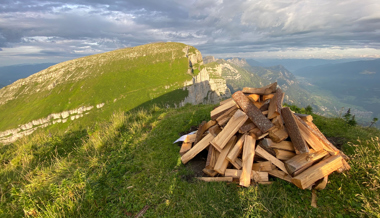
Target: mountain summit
(93, 87)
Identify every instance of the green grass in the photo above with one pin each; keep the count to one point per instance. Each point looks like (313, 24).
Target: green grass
(101, 79)
(116, 168)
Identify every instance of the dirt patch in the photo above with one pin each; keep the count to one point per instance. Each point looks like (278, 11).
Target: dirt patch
(338, 142)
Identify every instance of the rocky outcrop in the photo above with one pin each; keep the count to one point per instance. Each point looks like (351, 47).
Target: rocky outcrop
(203, 90)
(209, 59)
(12, 135)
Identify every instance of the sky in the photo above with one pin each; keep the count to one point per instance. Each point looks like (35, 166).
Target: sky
(39, 31)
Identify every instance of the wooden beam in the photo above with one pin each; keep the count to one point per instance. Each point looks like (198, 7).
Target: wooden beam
(293, 131)
(252, 112)
(301, 162)
(236, 150)
(309, 136)
(236, 121)
(261, 91)
(264, 154)
(222, 108)
(255, 175)
(281, 175)
(216, 179)
(284, 155)
(284, 145)
(200, 146)
(318, 171)
(248, 154)
(222, 163)
(265, 166)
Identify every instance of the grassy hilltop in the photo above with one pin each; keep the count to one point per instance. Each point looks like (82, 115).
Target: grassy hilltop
(125, 78)
(116, 168)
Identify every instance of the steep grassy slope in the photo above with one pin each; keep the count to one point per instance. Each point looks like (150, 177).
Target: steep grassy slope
(116, 168)
(123, 78)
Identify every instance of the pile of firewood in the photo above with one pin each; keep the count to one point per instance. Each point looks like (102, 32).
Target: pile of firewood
(251, 136)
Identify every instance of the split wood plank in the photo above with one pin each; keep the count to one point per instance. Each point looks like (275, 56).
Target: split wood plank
(211, 157)
(265, 166)
(265, 106)
(318, 171)
(278, 135)
(258, 104)
(309, 136)
(278, 122)
(254, 97)
(264, 154)
(284, 155)
(210, 172)
(284, 145)
(216, 179)
(293, 131)
(256, 131)
(236, 121)
(186, 146)
(273, 110)
(279, 99)
(266, 183)
(261, 91)
(266, 143)
(226, 101)
(281, 175)
(200, 146)
(222, 108)
(225, 117)
(252, 112)
(215, 130)
(237, 163)
(201, 130)
(248, 154)
(222, 163)
(327, 144)
(255, 175)
(236, 150)
(301, 162)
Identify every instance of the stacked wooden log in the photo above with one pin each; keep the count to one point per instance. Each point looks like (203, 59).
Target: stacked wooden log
(251, 136)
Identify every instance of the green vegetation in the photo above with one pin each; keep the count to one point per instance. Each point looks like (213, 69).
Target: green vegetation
(133, 75)
(116, 168)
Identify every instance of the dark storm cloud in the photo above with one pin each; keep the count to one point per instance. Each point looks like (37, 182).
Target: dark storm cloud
(81, 27)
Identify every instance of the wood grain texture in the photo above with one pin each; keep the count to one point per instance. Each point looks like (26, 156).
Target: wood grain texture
(222, 163)
(293, 131)
(236, 121)
(236, 150)
(200, 146)
(283, 155)
(281, 175)
(252, 112)
(318, 171)
(222, 108)
(261, 91)
(264, 154)
(265, 166)
(301, 162)
(248, 154)
(309, 136)
(216, 179)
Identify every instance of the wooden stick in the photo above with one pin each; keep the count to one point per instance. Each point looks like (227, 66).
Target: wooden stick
(237, 163)
(252, 112)
(216, 179)
(318, 171)
(222, 163)
(236, 121)
(301, 162)
(279, 99)
(210, 172)
(225, 117)
(293, 131)
(261, 152)
(200, 146)
(273, 110)
(248, 154)
(211, 157)
(236, 150)
(284, 145)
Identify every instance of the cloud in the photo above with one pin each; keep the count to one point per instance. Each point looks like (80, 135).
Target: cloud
(81, 27)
